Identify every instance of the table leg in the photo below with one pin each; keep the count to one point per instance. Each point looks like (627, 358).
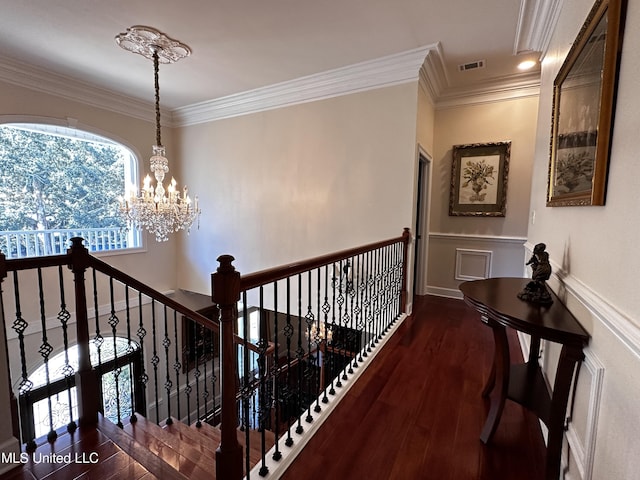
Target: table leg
(500, 373)
(491, 379)
(569, 358)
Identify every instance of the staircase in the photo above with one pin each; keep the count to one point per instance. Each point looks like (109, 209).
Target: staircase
(139, 450)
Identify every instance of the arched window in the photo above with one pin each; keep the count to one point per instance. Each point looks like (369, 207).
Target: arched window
(57, 183)
(51, 402)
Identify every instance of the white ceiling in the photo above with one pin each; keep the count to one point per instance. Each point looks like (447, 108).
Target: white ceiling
(241, 45)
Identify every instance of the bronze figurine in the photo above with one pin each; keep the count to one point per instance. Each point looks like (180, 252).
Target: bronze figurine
(536, 290)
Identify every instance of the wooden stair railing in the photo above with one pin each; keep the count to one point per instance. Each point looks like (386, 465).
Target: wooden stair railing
(228, 288)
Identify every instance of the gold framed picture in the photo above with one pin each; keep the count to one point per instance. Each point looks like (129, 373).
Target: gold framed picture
(583, 104)
(479, 174)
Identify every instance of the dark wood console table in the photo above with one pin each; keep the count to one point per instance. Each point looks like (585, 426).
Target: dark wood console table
(496, 300)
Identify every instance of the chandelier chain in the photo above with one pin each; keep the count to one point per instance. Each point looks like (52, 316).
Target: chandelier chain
(156, 77)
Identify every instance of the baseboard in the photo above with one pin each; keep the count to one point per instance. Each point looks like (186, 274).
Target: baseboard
(444, 292)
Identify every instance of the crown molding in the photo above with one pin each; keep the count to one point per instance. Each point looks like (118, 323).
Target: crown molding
(536, 22)
(382, 72)
(39, 79)
(434, 81)
(496, 90)
(424, 64)
(433, 74)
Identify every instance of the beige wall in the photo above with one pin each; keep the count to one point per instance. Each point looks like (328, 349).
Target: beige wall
(296, 182)
(466, 244)
(426, 120)
(594, 251)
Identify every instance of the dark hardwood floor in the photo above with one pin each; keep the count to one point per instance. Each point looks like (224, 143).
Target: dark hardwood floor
(417, 411)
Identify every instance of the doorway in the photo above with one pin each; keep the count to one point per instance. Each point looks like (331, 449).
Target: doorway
(421, 224)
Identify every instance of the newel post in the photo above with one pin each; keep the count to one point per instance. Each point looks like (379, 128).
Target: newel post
(406, 239)
(9, 443)
(86, 380)
(225, 293)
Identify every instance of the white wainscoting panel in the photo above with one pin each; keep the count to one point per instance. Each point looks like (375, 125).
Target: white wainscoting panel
(472, 264)
(582, 441)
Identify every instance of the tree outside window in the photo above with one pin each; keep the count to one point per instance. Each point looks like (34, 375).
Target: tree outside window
(56, 183)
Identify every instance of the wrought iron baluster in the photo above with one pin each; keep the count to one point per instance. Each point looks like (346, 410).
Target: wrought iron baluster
(370, 300)
(67, 370)
(264, 401)
(366, 301)
(384, 318)
(326, 308)
(45, 351)
(300, 358)
(186, 349)
(390, 285)
(197, 373)
(333, 361)
(98, 339)
(275, 375)
(377, 296)
(247, 389)
(130, 348)
(347, 321)
(144, 378)
(357, 310)
(342, 348)
(24, 389)
(312, 353)
(168, 384)
(155, 360)
(177, 366)
(205, 387)
(397, 287)
(317, 339)
(214, 378)
(286, 390)
(113, 323)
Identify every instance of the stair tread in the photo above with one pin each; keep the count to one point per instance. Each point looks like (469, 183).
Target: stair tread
(119, 466)
(181, 431)
(157, 466)
(176, 450)
(255, 436)
(208, 430)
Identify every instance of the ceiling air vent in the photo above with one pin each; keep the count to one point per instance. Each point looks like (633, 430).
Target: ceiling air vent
(471, 65)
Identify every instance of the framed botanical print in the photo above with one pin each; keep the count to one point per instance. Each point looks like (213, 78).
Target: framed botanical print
(583, 104)
(479, 174)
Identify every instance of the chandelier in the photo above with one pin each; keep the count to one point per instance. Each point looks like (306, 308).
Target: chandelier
(161, 212)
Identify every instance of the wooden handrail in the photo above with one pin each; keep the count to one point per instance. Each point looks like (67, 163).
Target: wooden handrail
(154, 294)
(34, 262)
(64, 259)
(168, 301)
(253, 280)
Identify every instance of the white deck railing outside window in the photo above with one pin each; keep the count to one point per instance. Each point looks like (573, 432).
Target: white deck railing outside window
(36, 243)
